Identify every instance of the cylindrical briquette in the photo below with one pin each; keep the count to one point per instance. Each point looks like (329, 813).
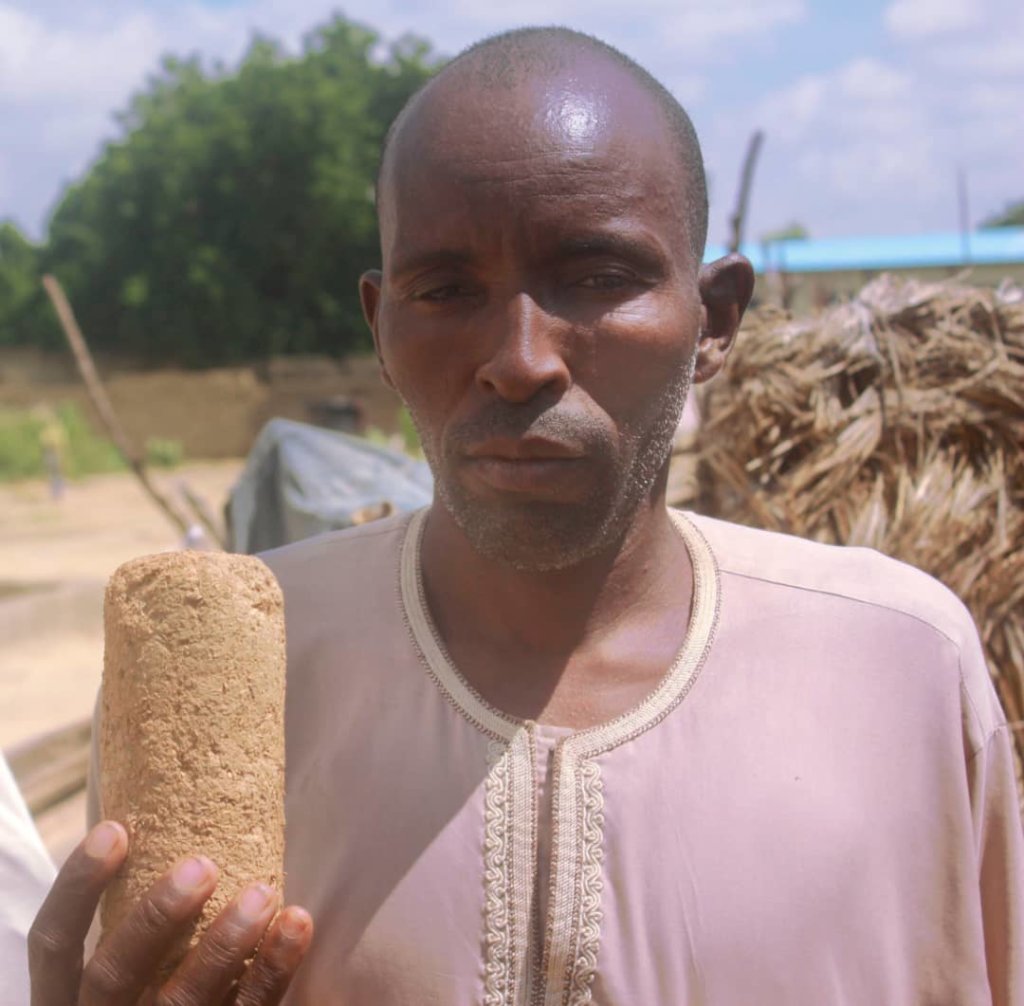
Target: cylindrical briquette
(192, 723)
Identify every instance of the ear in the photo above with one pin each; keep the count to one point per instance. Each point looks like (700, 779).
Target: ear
(370, 285)
(726, 286)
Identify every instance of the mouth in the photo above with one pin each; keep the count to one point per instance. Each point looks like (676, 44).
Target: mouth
(539, 468)
(524, 451)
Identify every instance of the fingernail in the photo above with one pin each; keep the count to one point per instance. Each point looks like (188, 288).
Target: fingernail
(190, 874)
(253, 901)
(102, 840)
(294, 925)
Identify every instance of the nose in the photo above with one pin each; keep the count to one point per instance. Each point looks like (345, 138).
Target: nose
(528, 356)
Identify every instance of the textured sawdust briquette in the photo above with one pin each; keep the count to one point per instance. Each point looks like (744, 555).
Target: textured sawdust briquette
(192, 722)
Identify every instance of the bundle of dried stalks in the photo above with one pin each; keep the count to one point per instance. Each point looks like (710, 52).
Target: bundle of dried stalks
(894, 421)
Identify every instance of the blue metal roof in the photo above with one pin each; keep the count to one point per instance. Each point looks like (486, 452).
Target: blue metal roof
(996, 246)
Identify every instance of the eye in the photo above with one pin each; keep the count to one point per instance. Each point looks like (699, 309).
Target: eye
(443, 293)
(440, 293)
(608, 281)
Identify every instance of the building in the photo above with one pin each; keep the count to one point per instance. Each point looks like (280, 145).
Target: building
(804, 274)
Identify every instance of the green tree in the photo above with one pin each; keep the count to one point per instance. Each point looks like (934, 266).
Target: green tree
(234, 214)
(20, 300)
(791, 232)
(1011, 216)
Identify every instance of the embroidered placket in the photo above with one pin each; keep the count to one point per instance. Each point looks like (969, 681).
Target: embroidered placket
(516, 972)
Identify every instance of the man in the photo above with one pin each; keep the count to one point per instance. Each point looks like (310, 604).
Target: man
(53, 444)
(550, 743)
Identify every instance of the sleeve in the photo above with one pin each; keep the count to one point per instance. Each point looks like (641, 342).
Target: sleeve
(26, 874)
(999, 834)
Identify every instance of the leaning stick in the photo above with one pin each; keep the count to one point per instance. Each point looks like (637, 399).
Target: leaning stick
(101, 402)
(202, 513)
(738, 219)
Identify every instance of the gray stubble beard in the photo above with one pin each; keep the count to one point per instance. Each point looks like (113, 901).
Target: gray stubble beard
(546, 537)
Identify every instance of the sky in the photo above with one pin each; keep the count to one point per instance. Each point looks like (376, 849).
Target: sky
(870, 107)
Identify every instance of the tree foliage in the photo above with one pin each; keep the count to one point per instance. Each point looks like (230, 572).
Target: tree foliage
(20, 292)
(791, 232)
(1011, 216)
(234, 214)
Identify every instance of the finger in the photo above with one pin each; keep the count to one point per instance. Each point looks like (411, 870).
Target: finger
(215, 962)
(281, 953)
(58, 932)
(129, 957)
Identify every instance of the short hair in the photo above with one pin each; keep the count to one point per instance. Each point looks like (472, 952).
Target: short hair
(503, 59)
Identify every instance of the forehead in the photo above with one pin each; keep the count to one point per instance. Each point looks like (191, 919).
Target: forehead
(582, 143)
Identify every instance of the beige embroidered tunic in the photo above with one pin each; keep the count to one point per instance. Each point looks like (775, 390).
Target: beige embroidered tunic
(815, 807)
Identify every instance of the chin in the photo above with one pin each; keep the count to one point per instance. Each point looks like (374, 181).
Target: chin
(532, 536)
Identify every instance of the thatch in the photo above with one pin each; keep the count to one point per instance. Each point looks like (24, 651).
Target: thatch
(894, 421)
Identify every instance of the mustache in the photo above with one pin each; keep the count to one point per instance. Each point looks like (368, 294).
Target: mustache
(562, 424)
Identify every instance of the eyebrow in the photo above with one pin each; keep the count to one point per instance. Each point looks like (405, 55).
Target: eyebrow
(434, 258)
(647, 252)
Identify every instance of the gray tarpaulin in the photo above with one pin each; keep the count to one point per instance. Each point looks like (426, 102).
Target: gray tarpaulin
(300, 480)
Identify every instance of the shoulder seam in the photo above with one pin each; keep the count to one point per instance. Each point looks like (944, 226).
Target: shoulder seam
(979, 723)
(859, 600)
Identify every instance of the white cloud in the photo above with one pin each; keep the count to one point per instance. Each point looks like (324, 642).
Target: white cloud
(920, 18)
(688, 27)
(1004, 56)
(870, 144)
(864, 96)
(842, 147)
(696, 26)
(67, 66)
(874, 146)
(789, 112)
(998, 54)
(42, 62)
(868, 79)
(683, 28)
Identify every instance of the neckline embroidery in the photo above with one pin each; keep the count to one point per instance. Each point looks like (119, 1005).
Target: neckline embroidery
(604, 736)
(561, 973)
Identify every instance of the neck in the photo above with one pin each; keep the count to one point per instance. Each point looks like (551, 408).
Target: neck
(553, 613)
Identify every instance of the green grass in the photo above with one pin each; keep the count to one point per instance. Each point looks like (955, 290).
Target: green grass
(21, 454)
(85, 451)
(163, 452)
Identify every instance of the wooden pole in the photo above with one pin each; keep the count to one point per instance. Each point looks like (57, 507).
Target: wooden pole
(964, 215)
(101, 402)
(739, 218)
(202, 513)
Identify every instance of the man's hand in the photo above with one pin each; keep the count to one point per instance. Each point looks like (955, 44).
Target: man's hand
(127, 963)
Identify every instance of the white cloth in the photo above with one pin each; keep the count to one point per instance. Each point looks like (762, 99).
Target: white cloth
(26, 873)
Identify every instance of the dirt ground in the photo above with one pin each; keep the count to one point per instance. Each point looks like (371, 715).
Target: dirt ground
(55, 558)
(102, 521)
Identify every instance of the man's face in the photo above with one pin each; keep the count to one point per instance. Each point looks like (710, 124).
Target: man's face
(539, 307)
